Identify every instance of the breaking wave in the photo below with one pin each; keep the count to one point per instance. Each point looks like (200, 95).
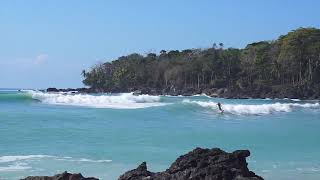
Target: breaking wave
(15, 167)
(21, 158)
(121, 101)
(14, 96)
(22, 162)
(85, 160)
(259, 109)
(6, 159)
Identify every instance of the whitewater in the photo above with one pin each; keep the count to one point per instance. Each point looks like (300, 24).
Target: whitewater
(253, 109)
(104, 135)
(131, 101)
(121, 101)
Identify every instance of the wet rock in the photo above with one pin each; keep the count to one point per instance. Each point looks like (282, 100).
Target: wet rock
(52, 89)
(200, 164)
(188, 92)
(63, 176)
(140, 173)
(137, 92)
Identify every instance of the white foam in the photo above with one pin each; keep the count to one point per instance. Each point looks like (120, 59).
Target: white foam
(310, 169)
(20, 162)
(94, 161)
(24, 158)
(6, 159)
(197, 95)
(70, 159)
(15, 167)
(201, 95)
(121, 101)
(259, 109)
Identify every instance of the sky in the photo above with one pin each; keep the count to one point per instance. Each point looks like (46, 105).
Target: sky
(48, 43)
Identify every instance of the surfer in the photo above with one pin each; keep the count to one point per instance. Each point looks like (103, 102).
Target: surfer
(220, 108)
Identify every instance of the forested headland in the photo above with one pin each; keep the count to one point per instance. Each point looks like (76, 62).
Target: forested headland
(286, 67)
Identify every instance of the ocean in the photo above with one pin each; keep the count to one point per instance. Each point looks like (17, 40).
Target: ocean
(104, 135)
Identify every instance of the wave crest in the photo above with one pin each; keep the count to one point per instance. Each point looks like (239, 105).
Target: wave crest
(6, 159)
(121, 101)
(24, 162)
(260, 109)
(15, 167)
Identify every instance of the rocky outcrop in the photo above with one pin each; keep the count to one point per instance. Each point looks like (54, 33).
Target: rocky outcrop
(257, 91)
(51, 89)
(139, 173)
(200, 164)
(79, 90)
(63, 176)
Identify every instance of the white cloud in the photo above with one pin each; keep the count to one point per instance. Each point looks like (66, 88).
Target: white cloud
(41, 59)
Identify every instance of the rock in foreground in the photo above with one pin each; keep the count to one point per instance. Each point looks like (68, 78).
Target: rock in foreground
(63, 176)
(200, 164)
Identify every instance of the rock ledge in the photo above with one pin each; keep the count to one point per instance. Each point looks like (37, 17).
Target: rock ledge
(63, 176)
(200, 164)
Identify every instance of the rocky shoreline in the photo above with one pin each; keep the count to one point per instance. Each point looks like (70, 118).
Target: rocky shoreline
(63, 176)
(198, 164)
(291, 92)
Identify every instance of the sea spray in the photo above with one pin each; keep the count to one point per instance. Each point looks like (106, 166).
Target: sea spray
(253, 109)
(120, 101)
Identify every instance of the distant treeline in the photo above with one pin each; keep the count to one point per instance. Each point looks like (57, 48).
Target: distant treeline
(291, 60)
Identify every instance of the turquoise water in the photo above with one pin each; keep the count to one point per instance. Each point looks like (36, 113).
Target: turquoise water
(103, 135)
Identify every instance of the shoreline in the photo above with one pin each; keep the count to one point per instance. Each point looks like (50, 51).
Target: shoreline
(225, 93)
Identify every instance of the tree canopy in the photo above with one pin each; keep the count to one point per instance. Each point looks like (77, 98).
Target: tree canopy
(293, 59)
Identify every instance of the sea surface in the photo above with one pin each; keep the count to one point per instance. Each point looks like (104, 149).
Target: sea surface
(104, 135)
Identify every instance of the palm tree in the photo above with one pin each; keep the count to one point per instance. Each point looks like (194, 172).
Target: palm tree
(83, 73)
(221, 45)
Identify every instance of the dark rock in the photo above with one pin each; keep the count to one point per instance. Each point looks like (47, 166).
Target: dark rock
(211, 92)
(200, 164)
(63, 176)
(145, 90)
(139, 173)
(221, 91)
(155, 92)
(165, 90)
(67, 90)
(241, 91)
(188, 92)
(52, 90)
(174, 93)
(137, 92)
(83, 90)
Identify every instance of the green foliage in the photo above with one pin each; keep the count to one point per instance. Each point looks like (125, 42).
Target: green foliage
(291, 59)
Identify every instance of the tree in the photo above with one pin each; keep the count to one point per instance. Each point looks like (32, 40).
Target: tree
(291, 60)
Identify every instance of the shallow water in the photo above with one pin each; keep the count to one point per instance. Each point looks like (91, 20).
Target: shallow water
(103, 135)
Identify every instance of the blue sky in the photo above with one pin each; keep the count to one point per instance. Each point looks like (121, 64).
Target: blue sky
(48, 43)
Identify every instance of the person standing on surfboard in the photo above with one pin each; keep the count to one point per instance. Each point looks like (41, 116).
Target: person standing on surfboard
(220, 108)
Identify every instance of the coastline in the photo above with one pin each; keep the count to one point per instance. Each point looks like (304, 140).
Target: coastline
(300, 93)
